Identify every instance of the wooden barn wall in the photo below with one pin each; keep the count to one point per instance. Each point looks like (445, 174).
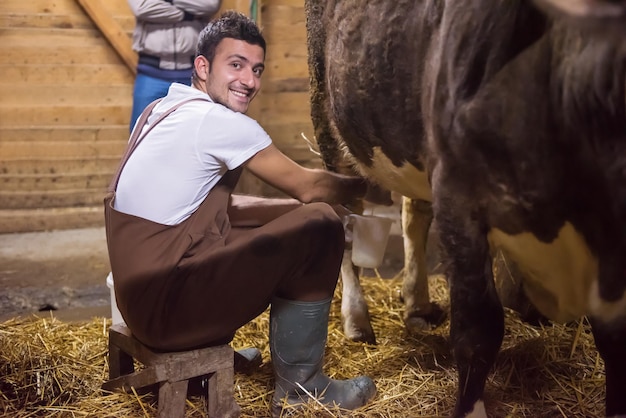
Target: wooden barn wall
(66, 96)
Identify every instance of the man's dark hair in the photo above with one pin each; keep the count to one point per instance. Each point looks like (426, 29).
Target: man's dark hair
(230, 24)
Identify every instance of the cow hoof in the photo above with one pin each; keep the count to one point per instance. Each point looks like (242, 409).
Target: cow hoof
(417, 321)
(359, 334)
(363, 338)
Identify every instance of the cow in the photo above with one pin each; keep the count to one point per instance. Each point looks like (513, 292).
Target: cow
(504, 120)
(419, 312)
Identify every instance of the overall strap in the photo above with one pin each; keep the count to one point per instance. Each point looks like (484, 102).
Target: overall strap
(137, 135)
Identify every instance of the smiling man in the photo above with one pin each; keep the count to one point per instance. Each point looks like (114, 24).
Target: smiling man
(192, 262)
(235, 77)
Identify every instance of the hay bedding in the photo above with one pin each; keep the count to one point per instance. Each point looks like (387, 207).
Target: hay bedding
(55, 369)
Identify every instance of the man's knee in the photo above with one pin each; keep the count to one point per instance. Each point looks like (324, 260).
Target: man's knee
(325, 219)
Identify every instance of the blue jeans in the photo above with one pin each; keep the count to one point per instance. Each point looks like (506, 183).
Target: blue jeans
(147, 89)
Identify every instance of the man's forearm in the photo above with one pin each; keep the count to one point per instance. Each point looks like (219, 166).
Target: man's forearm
(337, 189)
(254, 211)
(200, 8)
(156, 11)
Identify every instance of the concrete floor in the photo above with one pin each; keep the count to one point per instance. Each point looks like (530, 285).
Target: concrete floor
(58, 272)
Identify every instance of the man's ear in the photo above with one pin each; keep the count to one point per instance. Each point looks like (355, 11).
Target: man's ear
(202, 67)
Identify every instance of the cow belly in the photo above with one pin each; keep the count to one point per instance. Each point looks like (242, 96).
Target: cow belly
(406, 179)
(558, 276)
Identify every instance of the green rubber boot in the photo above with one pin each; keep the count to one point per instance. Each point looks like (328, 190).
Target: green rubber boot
(298, 332)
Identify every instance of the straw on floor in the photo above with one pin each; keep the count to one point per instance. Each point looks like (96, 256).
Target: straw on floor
(54, 369)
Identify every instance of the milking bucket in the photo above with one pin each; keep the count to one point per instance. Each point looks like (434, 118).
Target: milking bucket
(369, 239)
(116, 316)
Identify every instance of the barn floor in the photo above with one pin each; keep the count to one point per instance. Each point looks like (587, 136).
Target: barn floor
(55, 368)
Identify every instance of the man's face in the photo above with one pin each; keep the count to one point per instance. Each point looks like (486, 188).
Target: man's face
(234, 76)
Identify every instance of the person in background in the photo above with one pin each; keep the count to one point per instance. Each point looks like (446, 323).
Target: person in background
(165, 36)
(194, 262)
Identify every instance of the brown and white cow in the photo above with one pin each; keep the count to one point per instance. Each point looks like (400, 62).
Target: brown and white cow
(408, 179)
(511, 120)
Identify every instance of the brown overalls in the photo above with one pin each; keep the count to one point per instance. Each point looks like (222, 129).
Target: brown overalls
(194, 284)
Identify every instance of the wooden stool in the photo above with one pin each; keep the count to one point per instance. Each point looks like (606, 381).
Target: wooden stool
(172, 371)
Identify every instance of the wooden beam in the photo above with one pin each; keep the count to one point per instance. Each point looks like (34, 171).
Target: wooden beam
(30, 220)
(112, 31)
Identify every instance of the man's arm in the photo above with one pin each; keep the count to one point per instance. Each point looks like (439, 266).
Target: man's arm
(199, 8)
(172, 11)
(305, 184)
(156, 11)
(255, 211)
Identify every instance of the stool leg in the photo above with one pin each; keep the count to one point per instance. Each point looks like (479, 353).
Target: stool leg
(172, 396)
(120, 363)
(221, 396)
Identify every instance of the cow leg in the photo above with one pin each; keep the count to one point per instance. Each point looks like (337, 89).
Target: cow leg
(476, 328)
(419, 312)
(476, 332)
(355, 316)
(476, 314)
(610, 339)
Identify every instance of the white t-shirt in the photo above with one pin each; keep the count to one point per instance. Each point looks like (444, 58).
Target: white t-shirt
(176, 165)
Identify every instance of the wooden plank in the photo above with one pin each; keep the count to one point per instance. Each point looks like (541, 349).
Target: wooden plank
(127, 23)
(296, 101)
(117, 7)
(57, 54)
(242, 6)
(66, 115)
(291, 50)
(285, 85)
(289, 133)
(294, 146)
(66, 74)
(290, 137)
(30, 220)
(60, 165)
(45, 20)
(272, 107)
(59, 21)
(51, 199)
(276, 15)
(45, 183)
(285, 61)
(51, 38)
(60, 149)
(39, 11)
(112, 31)
(302, 155)
(59, 94)
(68, 133)
(291, 35)
(284, 24)
(40, 6)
